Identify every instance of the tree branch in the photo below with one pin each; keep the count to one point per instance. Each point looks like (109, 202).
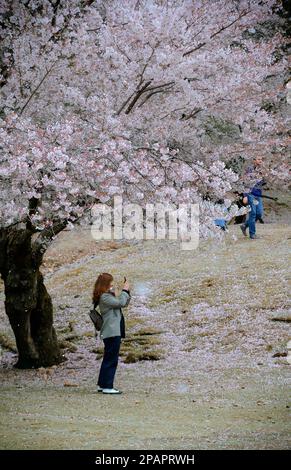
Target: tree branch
(138, 94)
(191, 115)
(244, 13)
(145, 89)
(125, 103)
(154, 93)
(38, 86)
(41, 243)
(146, 64)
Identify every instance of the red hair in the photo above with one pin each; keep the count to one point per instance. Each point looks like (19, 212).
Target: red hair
(102, 285)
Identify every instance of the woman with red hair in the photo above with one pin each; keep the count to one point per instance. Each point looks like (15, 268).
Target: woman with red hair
(113, 327)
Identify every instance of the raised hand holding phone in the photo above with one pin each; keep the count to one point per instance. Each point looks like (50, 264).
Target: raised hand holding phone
(126, 285)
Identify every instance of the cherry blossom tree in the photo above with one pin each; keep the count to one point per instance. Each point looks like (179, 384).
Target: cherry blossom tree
(149, 100)
(149, 71)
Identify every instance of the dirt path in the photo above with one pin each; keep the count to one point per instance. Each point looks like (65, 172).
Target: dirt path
(210, 314)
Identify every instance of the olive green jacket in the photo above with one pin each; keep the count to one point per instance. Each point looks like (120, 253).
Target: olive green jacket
(110, 309)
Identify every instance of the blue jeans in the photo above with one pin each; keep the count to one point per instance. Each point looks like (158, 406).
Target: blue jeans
(255, 213)
(260, 208)
(109, 362)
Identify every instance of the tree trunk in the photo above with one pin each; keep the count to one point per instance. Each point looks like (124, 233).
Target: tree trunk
(27, 302)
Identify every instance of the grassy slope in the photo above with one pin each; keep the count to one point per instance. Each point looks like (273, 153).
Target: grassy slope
(218, 384)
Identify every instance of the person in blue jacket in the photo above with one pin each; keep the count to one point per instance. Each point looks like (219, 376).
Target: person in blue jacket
(253, 197)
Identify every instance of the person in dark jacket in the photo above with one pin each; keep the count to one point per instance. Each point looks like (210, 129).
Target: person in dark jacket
(113, 328)
(253, 197)
(250, 200)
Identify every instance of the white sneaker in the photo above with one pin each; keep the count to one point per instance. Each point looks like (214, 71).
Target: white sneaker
(111, 390)
(99, 389)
